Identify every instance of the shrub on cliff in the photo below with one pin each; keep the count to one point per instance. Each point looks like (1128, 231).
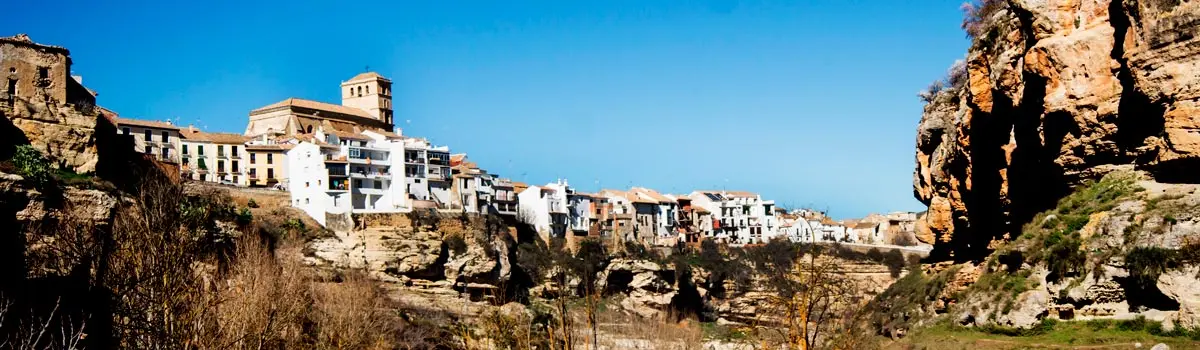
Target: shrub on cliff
(30, 164)
(979, 17)
(894, 260)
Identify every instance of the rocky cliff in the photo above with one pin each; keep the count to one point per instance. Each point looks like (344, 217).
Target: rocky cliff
(1053, 93)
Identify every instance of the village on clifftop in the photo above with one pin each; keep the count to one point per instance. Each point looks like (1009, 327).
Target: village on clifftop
(335, 160)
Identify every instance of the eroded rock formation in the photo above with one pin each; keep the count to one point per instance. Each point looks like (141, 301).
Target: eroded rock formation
(1055, 93)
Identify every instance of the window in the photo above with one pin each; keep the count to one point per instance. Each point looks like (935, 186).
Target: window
(166, 152)
(252, 173)
(220, 150)
(147, 149)
(360, 91)
(251, 158)
(43, 73)
(306, 184)
(233, 150)
(200, 149)
(269, 159)
(125, 131)
(351, 92)
(185, 151)
(306, 201)
(166, 137)
(235, 166)
(235, 179)
(368, 89)
(309, 130)
(185, 161)
(270, 173)
(220, 166)
(147, 132)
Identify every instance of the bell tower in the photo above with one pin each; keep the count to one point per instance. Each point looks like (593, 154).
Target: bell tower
(370, 92)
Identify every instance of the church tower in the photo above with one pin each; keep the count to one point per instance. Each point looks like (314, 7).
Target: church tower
(370, 92)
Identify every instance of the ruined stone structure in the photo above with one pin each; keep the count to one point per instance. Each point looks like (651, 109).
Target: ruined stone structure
(1055, 93)
(43, 105)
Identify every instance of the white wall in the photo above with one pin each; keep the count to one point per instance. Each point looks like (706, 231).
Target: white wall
(308, 180)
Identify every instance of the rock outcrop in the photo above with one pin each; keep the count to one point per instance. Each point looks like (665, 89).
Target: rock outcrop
(1136, 256)
(1055, 93)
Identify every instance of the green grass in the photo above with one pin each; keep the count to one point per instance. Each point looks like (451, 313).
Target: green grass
(1048, 335)
(712, 330)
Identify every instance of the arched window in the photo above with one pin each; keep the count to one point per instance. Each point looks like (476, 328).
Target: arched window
(309, 129)
(351, 92)
(360, 91)
(368, 89)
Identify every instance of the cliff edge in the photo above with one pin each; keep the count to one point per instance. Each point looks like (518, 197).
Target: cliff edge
(1053, 93)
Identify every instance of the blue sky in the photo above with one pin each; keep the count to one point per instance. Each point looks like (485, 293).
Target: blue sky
(811, 103)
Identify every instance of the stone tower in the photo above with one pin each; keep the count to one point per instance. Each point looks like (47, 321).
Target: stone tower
(370, 92)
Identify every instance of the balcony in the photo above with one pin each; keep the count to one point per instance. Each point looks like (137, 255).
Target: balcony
(417, 160)
(437, 175)
(337, 172)
(329, 158)
(337, 187)
(369, 160)
(363, 174)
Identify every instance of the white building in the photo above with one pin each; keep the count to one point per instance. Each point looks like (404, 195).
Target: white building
(545, 208)
(343, 172)
(427, 172)
(743, 217)
(798, 230)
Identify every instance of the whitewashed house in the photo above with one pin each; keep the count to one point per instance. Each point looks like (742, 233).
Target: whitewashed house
(743, 217)
(427, 172)
(545, 208)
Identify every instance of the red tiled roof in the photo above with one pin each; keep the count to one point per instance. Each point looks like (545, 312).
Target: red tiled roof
(366, 76)
(310, 104)
(145, 123)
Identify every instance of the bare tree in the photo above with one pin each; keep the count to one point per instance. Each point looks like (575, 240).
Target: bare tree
(812, 304)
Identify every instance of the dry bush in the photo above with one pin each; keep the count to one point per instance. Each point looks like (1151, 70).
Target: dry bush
(352, 314)
(261, 198)
(621, 329)
(155, 269)
(36, 332)
(978, 16)
(264, 298)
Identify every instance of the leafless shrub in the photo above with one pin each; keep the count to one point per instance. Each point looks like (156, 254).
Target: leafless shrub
(54, 330)
(978, 16)
(264, 299)
(352, 314)
(956, 78)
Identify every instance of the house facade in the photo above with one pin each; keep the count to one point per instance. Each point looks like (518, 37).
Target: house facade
(265, 166)
(546, 209)
(742, 217)
(214, 157)
(160, 140)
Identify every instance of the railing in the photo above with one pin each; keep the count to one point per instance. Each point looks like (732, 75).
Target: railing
(331, 158)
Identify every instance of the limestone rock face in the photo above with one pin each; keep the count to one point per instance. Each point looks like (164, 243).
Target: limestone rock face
(1056, 93)
(64, 133)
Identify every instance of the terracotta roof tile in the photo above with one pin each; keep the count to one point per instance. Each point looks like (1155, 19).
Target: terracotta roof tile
(215, 137)
(145, 123)
(310, 104)
(366, 76)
